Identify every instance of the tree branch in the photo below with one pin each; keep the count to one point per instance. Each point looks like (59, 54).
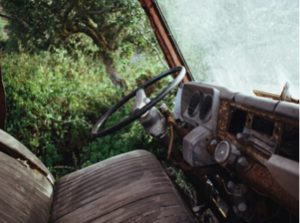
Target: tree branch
(89, 32)
(70, 121)
(106, 27)
(88, 23)
(117, 34)
(98, 11)
(155, 49)
(94, 12)
(16, 19)
(66, 14)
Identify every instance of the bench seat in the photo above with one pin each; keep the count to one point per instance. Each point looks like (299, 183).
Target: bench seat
(131, 187)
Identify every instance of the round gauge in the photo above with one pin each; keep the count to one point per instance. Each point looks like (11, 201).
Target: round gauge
(222, 152)
(194, 104)
(205, 110)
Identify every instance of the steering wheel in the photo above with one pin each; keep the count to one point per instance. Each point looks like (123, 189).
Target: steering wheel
(138, 113)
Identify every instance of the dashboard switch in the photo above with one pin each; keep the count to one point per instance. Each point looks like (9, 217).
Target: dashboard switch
(213, 142)
(242, 161)
(242, 135)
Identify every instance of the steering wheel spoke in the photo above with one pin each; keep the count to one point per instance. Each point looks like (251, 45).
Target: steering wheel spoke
(140, 101)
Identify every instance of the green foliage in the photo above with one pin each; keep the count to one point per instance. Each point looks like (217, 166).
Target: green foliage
(56, 83)
(111, 28)
(45, 23)
(53, 99)
(181, 181)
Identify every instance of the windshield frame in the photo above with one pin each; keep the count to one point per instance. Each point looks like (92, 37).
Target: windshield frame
(172, 39)
(167, 43)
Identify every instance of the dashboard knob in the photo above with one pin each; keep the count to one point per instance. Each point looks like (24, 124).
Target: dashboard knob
(223, 153)
(242, 207)
(230, 185)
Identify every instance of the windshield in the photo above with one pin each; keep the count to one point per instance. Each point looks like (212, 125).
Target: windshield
(242, 45)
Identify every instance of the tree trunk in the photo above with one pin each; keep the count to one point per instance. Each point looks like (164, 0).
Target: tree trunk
(112, 72)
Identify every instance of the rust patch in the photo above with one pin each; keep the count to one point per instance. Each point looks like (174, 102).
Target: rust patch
(181, 132)
(224, 121)
(249, 120)
(263, 114)
(224, 116)
(277, 133)
(259, 177)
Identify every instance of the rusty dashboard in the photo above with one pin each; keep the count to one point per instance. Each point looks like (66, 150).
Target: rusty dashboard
(255, 138)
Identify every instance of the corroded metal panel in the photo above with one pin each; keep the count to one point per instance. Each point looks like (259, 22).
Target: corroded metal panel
(224, 116)
(259, 177)
(162, 36)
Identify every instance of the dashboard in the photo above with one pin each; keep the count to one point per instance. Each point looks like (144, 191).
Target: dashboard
(239, 132)
(271, 127)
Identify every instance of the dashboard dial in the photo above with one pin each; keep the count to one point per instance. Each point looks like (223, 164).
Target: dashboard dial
(195, 103)
(205, 110)
(222, 152)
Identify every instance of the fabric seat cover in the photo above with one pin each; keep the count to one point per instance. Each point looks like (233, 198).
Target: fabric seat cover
(131, 187)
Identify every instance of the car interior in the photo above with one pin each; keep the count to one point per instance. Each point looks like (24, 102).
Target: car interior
(239, 151)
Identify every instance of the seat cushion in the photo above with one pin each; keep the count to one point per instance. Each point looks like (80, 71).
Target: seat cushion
(131, 187)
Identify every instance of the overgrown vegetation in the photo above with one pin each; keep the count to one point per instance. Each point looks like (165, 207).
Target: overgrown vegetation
(109, 24)
(56, 79)
(53, 99)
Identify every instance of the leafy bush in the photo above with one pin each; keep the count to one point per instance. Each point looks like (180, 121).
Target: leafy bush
(53, 99)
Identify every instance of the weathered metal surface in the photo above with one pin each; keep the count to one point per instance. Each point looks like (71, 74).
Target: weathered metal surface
(259, 177)
(258, 140)
(267, 115)
(286, 173)
(170, 124)
(17, 150)
(274, 96)
(177, 156)
(127, 188)
(151, 120)
(2, 102)
(162, 36)
(287, 109)
(249, 120)
(250, 151)
(194, 147)
(224, 116)
(279, 121)
(182, 132)
(25, 195)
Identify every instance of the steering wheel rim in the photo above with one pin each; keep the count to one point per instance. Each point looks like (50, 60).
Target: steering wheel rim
(138, 113)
